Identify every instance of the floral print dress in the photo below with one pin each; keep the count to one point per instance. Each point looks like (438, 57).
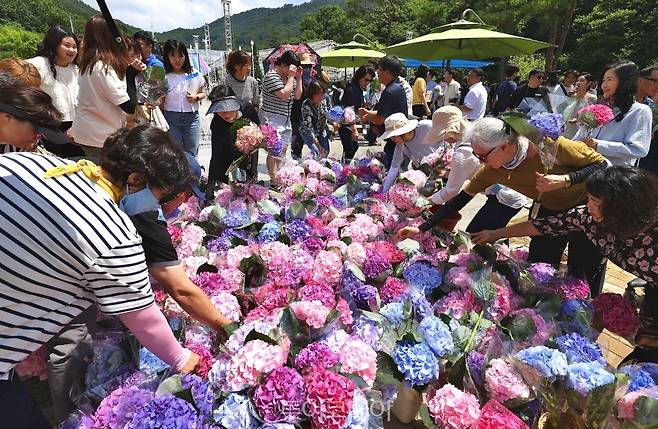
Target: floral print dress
(637, 255)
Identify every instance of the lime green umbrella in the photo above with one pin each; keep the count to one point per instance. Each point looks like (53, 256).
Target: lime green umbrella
(349, 56)
(465, 40)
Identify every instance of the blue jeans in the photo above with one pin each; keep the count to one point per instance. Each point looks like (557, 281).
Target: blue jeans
(308, 140)
(185, 129)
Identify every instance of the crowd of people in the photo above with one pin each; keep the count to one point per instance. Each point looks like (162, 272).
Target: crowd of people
(85, 189)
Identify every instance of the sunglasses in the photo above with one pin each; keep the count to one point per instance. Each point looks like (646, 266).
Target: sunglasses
(652, 79)
(172, 196)
(483, 158)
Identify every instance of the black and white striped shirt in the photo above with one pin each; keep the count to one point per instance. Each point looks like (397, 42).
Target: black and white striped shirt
(64, 245)
(272, 83)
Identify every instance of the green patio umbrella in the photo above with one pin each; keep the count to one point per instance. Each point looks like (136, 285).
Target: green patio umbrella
(352, 56)
(465, 40)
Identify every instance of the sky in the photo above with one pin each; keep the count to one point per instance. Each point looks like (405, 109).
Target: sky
(169, 14)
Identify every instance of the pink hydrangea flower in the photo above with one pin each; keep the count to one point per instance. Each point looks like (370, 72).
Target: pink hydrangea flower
(345, 312)
(175, 232)
(318, 292)
(452, 408)
(280, 397)
(459, 277)
(392, 290)
(248, 138)
(329, 399)
(252, 362)
(457, 303)
(313, 313)
(356, 254)
(403, 195)
(616, 313)
(358, 358)
(190, 240)
(494, 415)
(327, 267)
(235, 255)
(417, 177)
(228, 305)
(206, 359)
(504, 383)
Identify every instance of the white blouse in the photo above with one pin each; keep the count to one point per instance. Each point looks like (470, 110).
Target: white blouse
(63, 89)
(179, 86)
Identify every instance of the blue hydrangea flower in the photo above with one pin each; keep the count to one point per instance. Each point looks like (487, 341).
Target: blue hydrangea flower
(422, 276)
(150, 363)
(548, 124)
(234, 413)
(437, 335)
(549, 363)
(236, 218)
(579, 349)
(416, 362)
(640, 379)
(360, 196)
(298, 230)
(165, 411)
(394, 312)
(583, 377)
(571, 308)
(269, 232)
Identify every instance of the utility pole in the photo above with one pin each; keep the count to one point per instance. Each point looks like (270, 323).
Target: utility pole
(228, 31)
(206, 39)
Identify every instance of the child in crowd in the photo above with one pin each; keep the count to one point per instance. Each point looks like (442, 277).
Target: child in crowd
(225, 108)
(314, 120)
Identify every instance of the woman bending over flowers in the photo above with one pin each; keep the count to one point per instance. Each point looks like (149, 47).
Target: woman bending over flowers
(620, 219)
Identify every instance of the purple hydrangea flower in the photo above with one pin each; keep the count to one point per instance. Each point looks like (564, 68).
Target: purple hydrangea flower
(316, 355)
(236, 218)
(280, 397)
(475, 363)
(202, 393)
(368, 331)
(542, 272)
(298, 230)
(375, 265)
(313, 245)
(165, 411)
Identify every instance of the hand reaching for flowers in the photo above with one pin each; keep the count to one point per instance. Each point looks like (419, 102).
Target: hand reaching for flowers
(192, 364)
(406, 232)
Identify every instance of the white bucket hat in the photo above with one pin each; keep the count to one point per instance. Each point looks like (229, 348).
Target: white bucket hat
(446, 120)
(398, 124)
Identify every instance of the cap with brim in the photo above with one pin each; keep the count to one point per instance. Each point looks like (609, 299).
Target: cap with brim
(196, 171)
(400, 128)
(50, 133)
(224, 104)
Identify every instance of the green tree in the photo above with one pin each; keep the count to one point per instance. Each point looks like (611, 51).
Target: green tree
(616, 29)
(15, 41)
(330, 22)
(32, 15)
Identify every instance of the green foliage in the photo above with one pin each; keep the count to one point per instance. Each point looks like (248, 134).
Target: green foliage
(267, 27)
(616, 29)
(39, 15)
(15, 41)
(527, 63)
(330, 22)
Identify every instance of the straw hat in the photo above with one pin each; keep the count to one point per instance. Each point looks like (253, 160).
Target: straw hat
(305, 59)
(446, 120)
(398, 124)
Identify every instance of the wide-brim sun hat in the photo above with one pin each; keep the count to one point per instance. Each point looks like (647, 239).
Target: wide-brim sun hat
(305, 59)
(398, 124)
(445, 121)
(224, 104)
